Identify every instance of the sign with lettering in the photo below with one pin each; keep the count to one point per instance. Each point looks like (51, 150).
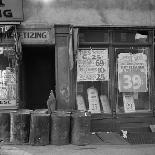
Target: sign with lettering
(11, 10)
(129, 105)
(8, 87)
(35, 36)
(92, 65)
(132, 72)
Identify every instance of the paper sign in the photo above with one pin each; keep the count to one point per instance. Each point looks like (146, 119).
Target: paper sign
(92, 65)
(132, 72)
(93, 99)
(80, 103)
(129, 105)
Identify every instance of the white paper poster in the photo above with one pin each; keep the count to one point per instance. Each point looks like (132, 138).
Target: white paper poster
(93, 99)
(92, 65)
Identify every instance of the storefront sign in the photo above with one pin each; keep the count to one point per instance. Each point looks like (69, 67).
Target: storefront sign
(34, 36)
(92, 65)
(11, 10)
(132, 72)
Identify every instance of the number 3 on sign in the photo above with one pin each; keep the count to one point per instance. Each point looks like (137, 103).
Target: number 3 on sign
(132, 81)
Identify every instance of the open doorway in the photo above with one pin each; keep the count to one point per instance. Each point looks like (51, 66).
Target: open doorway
(38, 75)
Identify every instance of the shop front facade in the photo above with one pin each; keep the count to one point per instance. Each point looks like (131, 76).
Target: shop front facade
(103, 65)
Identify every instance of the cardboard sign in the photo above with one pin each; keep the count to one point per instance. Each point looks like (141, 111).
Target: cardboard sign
(93, 99)
(105, 104)
(80, 103)
(129, 105)
(92, 65)
(132, 72)
(8, 87)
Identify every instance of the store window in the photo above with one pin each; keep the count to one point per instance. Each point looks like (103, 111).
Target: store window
(114, 70)
(8, 66)
(133, 79)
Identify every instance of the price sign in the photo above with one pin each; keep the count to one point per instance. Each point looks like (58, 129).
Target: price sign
(132, 72)
(92, 65)
(132, 82)
(129, 105)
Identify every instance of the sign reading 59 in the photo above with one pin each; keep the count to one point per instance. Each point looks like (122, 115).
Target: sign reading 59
(132, 82)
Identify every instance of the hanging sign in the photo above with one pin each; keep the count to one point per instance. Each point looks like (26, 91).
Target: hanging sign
(92, 65)
(11, 10)
(132, 72)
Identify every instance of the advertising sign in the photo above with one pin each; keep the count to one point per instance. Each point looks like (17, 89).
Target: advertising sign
(8, 87)
(11, 10)
(92, 65)
(132, 72)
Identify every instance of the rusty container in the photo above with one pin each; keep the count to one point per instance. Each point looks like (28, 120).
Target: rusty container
(5, 126)
(80, 128)
(39, 129)
(20, 126)
(60, 128)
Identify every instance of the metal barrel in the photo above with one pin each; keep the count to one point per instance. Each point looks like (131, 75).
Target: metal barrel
(5, 126)
(60, 128)
(20, 126)
(80, 128)
(39, 129)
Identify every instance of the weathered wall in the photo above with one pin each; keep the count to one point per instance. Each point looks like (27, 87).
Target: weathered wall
(90, 12)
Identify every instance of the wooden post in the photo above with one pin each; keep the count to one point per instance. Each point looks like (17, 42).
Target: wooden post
(63, 73)
(39, 129)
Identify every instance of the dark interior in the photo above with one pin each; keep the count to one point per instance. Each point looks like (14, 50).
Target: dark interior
(38, 75)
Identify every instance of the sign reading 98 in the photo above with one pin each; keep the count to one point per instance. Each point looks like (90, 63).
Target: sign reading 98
(132, 82)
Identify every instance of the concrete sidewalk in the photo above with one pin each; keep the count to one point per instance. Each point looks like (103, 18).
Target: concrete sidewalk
(143, 149)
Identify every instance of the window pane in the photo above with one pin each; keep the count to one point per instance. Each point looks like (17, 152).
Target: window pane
(93, 36)
(130, 37)
(133, 80)
(93, 80)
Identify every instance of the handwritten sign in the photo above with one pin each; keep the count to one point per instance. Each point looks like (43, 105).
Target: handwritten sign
(132, 72)
(8, 87)
(129, 105)
(92, 65)
(93, 99)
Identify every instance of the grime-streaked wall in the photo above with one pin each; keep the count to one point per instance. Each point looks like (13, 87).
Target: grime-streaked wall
(90, 12)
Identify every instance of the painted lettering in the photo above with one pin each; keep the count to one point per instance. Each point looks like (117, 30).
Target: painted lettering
(6, 13)
(35, 35)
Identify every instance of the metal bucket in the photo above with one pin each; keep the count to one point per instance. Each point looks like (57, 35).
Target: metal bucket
(80, 128)
(60, 128)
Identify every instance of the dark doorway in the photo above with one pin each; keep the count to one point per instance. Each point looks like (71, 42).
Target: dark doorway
(38, 75)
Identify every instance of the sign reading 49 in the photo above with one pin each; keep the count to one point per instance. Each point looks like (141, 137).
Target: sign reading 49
(132, 82)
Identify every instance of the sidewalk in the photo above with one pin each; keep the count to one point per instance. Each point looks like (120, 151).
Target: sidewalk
(143, 149)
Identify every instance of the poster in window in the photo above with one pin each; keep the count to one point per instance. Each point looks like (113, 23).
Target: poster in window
(8, 87)
(92, 65)
(132, 72)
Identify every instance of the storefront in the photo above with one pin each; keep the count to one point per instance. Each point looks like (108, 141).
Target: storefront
(111, 74)
(11, 15)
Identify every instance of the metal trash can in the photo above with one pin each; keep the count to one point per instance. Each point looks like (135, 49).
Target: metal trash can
(5, 126)
(80, 128)
(39, 129)
(20, 126)
(60, 128)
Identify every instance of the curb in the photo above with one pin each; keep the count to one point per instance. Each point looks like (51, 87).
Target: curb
(5, 150)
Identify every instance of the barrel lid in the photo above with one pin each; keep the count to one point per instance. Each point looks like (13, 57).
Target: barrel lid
(61, 113)
(80, 114)
(22, 111)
